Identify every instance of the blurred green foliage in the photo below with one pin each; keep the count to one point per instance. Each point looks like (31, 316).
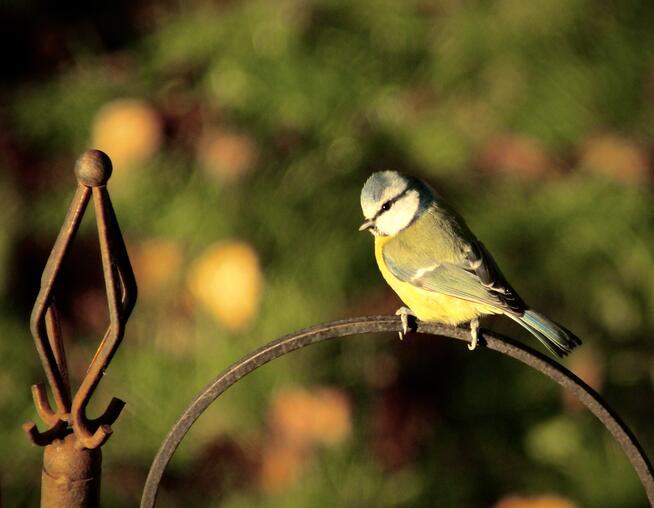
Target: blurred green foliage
(535, 122)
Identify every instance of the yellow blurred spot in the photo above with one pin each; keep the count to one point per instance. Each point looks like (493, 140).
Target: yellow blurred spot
(299, 420)
(545, 501)
(227, 156)
(227, 280)
(281, 466)
(156, 263)
(617, 157)
(129, 131)
(303, 417)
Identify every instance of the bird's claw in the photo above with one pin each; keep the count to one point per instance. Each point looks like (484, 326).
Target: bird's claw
(474, 333)
(404, 313)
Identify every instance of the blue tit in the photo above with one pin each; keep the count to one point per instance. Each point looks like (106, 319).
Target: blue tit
(436, 265)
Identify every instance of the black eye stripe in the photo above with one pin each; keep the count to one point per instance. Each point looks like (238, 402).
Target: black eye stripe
(387, 205)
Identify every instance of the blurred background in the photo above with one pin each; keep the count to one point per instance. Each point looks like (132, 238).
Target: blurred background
(241, 133)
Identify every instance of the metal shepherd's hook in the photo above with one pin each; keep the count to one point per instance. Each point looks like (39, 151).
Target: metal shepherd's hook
(72, 458)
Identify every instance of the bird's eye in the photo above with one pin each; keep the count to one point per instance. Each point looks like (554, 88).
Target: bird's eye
(386, 206)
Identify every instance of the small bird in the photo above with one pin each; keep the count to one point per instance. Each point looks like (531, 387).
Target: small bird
(436, 265)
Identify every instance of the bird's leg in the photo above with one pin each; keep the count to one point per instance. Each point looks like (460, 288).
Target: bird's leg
(474, 332)
(404, 313)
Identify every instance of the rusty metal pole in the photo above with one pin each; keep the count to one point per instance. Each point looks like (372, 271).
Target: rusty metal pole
(72, 460)
(70, 475)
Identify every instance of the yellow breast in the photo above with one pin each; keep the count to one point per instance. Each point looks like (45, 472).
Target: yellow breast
(429, 305)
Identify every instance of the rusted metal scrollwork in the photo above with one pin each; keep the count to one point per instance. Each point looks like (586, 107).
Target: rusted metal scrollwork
(375, 324)
(72, 457)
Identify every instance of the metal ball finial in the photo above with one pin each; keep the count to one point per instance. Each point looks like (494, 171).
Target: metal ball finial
(93, 168)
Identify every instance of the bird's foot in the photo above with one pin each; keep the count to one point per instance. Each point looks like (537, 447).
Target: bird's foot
(474, 333)
(404, 313)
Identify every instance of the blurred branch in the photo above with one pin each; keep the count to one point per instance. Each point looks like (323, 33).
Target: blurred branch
(375, 324)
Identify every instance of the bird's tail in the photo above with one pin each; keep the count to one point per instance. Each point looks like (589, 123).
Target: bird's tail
(556, 338)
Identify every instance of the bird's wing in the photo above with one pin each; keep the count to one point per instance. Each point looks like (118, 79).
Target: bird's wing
(474, 276)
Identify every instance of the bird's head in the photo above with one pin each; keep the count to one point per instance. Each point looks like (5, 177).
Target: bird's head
(392, 201)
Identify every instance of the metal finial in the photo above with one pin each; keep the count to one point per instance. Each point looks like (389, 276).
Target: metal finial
(93, 168)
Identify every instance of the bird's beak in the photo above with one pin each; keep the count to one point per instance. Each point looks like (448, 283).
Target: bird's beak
(367, 225)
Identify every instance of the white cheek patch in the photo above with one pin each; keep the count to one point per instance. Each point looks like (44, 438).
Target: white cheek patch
(400, 215)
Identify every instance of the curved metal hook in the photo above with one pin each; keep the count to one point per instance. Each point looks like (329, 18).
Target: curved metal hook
(375, 324)
(49, 345)
(121, 297)
(47, 336)
(40, 397)
(57, 431)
